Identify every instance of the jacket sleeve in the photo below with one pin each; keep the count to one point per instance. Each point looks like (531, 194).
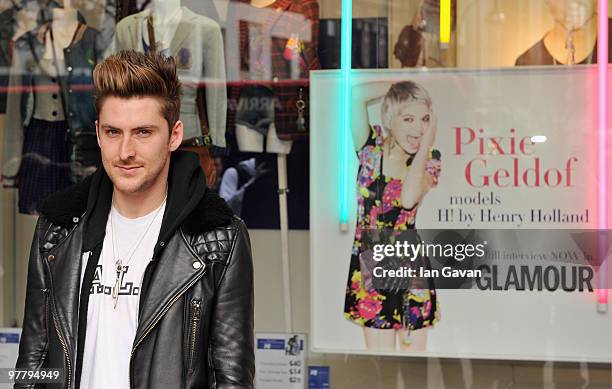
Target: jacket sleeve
(232, 319)
(34, 339)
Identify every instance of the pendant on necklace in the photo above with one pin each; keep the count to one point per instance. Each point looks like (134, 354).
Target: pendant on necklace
(118, 268)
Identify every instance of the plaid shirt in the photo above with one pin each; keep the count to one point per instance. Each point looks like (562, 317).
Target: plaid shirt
(284, 88)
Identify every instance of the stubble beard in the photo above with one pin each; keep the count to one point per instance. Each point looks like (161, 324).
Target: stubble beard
(140, 184)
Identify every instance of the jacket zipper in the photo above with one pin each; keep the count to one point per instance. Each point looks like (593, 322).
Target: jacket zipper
(44, 355)
(152, 325)
(195, 324)
(59, 335)
(65, 347)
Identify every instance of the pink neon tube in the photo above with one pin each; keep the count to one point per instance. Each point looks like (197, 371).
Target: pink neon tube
(602, 126)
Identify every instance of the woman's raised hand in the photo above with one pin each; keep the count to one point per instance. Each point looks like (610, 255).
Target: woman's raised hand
(429, 135)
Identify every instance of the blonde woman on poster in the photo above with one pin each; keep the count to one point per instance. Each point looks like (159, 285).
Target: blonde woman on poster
(397, 167)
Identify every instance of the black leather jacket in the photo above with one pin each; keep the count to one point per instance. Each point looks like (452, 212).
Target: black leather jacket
(195, 325)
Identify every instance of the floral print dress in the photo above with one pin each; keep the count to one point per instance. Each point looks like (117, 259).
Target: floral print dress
(379, 207)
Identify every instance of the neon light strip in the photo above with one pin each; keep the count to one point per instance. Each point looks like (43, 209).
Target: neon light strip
(445, 21)
(602, 125)
(345, 95)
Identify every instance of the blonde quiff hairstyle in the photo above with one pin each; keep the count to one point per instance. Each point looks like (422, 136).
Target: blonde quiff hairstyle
(129, 73)
(398, 93)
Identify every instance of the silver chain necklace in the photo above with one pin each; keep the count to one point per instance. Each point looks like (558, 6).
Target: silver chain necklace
(570, 47)
(118, 261)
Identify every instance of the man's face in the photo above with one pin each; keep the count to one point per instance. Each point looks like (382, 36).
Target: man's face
(136, 142)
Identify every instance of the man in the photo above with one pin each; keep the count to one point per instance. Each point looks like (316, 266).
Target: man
(140, 277)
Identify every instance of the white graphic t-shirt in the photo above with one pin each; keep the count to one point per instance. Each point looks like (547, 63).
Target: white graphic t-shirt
(111, 331)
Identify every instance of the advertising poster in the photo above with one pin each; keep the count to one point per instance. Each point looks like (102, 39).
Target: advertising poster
(507, 161)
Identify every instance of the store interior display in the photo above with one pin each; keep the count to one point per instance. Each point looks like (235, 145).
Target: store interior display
(572, 39)
(277, 50)
(274, 48)
(50, 139)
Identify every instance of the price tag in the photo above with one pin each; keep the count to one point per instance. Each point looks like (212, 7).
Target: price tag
(280, 360)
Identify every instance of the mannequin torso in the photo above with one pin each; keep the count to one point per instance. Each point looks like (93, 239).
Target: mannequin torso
(583, 39)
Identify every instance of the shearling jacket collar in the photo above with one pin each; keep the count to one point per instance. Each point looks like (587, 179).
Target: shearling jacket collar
(190, 204)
